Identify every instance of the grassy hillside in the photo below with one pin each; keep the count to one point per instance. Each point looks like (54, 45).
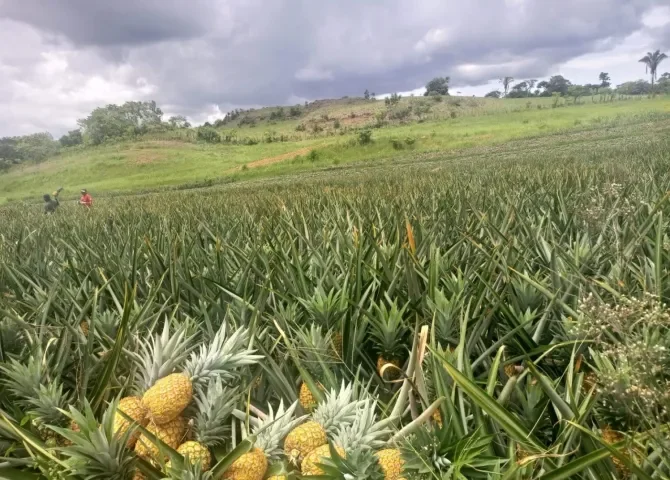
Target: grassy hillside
(155, 163)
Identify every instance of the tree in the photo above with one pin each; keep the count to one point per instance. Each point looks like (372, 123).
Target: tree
(556, 84)
(651, 62)
(72, 138)
(366, 94)
(639, 87)
(519, 90)
(179, 121)
(576, 91)
(531, 83)
(493, 94)
(506, 82)
(114, 121)
(437, 86)
(604, 78)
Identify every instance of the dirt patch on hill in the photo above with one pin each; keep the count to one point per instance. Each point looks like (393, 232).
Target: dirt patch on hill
(279, 158)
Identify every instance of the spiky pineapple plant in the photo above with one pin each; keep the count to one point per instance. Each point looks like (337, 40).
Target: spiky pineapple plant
(210, 426)
(363, 434)
(388, 331)
(339, 408)
(312, 344)
(269, 433)
(167, 398)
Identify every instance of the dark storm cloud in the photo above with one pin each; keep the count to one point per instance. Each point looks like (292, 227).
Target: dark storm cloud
(106, 23)
(191, 55)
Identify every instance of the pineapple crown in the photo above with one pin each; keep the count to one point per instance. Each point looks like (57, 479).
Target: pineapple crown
(221, 357)
(34, 391)
(388, 328)
(338, 408)
(314, 347)
(161, 355)
(214, 406)
(325, 308)
(357, 465)
(364, 433)
(273, 428)
(97, 452)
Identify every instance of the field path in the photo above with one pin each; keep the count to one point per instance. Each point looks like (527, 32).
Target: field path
(264, 162)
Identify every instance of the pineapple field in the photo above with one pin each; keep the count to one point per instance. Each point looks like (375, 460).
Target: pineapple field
(495, 315)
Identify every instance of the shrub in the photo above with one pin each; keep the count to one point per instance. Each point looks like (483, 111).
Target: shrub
(209, 135)
(336, 123)
(295, 111)
(365, 137)
(410, 141)
(452, 114)
(397, 144)
(400, 113)
(313, 156)
(300, 128)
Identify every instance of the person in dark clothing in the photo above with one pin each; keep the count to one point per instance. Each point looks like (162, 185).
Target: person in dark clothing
(51, 204)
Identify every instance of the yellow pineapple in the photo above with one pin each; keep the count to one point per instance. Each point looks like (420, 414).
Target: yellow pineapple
(196, 452)
(437, 418)
(391, 462)
(168, 397)
(250, 466)
(254, 464)
(310, 464)
(391, 372)
(306, 398)
(511, 370)
(362, 435)
(171, 433)
(139, 475)
(337, 344)
(84, 327)
(276, 477)
(135, 409)
(610, 437)
(338, 409)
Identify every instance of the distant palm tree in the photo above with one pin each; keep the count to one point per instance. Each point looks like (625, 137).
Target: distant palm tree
(652, 61)
(506, 82)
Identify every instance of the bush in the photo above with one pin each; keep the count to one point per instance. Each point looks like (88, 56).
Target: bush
(209, 135)
(397, 144)
(313, 156)
(336, 123)
(295, 111)
(400, 113)
(300, 128)
(452, 114)
(365, 137)
(410, 141)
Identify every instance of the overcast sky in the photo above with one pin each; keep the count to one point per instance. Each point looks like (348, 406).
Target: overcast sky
(59, 59)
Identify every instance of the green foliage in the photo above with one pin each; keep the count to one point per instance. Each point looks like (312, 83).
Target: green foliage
(493, 94)
(365, 137)
(127, 120)
(392, 100)
(437, 86)
(180, 121)
(208, 134)
(72, 138)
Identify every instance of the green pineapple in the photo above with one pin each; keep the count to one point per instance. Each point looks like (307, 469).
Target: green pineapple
(388, 331)
(313, 347)
(326, 311)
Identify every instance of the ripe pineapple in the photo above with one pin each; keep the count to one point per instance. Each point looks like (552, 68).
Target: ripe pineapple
(306, 398)
(391, 463)
(363, 434)
(338, 409)
(84, 327)
(210, 425)
(167, 398)
(270, 431)
(610, 437)
(388, 331)
(196, 453)
(135, 409)
(171, 433)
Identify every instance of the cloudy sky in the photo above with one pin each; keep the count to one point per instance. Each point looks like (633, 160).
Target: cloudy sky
(59, 59)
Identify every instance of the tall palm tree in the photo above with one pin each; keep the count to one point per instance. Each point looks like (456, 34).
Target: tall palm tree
(506, 82)
(652, 61)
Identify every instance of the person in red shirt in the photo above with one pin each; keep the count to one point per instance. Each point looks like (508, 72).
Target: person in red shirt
(86, 199)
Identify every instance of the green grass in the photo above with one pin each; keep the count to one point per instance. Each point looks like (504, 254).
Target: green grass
(153, 164)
